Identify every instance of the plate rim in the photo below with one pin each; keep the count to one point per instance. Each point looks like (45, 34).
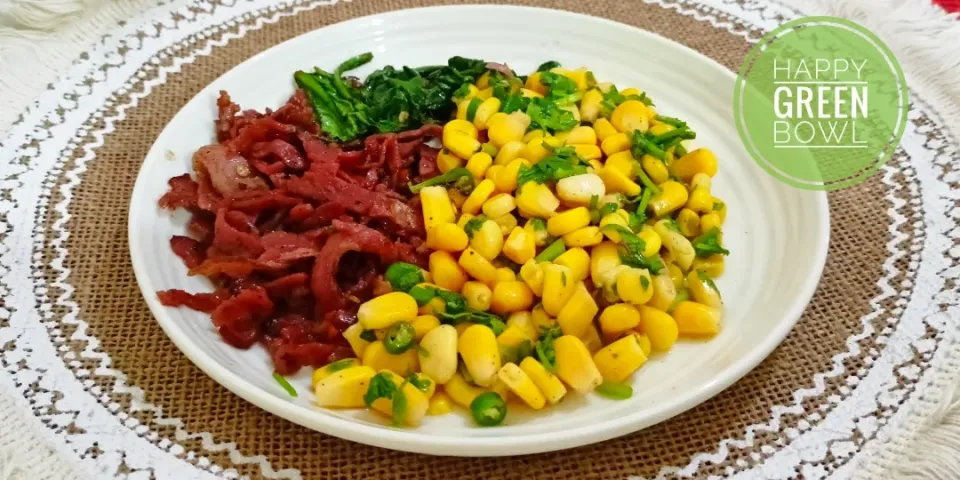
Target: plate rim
(410, 440)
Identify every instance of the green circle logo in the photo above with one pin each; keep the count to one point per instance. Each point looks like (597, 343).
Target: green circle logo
(820, 103)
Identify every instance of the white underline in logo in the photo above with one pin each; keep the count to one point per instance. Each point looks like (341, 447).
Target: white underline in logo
(819, 83)
(820, 146)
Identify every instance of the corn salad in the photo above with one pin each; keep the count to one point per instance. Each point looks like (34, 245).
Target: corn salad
(574, 234)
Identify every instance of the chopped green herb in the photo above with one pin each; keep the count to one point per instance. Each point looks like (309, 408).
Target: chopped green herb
(682, 296)
(547, 66)
(341, 365)
(403, 276)
(631, 250)
(368, 335)
(546, 353)
(421, 382)
(381, 386)
(285, 384)
(422, 295)
(677, 134)
(635, 220)
(423, 352)
(552, 251)
(489, 149)
(676, 122)
(472, 108)
(709, 281)
(538, 224)
(562, 164)
(646, 181)
(487, 319)
(399, 338)
(474, 224)
(718, 206)
(644, 145)
(547, 115)
(615, 391)
(398, 408)
(613, 98)
(644, 201)
(607, 209)
(672, 225)
(462, 92)
(708, 243)
(563, 278)
(460, 178)
(644, 282)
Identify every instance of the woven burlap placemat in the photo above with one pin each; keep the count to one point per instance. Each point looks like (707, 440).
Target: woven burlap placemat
(108, 299)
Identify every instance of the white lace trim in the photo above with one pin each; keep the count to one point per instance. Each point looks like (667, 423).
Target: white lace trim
(132, 445)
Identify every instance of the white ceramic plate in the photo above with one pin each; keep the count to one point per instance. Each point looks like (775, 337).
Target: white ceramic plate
(778, 235)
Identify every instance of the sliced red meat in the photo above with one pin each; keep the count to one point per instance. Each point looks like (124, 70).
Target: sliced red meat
(350, 237)
(182, 193)
(188, 250)
(201, 302)
(240, 319)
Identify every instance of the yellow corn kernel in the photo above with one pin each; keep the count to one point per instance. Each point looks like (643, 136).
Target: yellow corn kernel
(680, 248)
(446, 273)
(603, 259)
(578, 312)
(499, 205)
(457, 198)
(424, 379)
(521, 385)
(478, 295)
(700, 160)
(558, 287)
(507, 179)
(532, 274)
(709, 221)
(651, 241)
(701, 180)
(483, 81)
(352, 335)
(529, 93)
(635, 286)
(324, 372)
(464, 219)
(509, 129)
(672, 196)
(702, 290)
(720, 208)
(620, 217)
(689, 222)
(523, 321)
(438, 353)
(573, 110)
(604, 130)
(504, 274)
(481, 354)
(385, 310)
(629, 116)
(577, 190)
(486, 110)
(645, 345)
(712, 265)
(463, 106)
(655, 168)
(575, 365)
(447, 161)
(423, 324)
(536, 151)
(659, 327)
(615, 143)
(439, 405)
(459, 143)
(480, 194)
(509, 152)
(479, 163)
(537, 200)
(618, 318)
(477, 266)
(579, 77)
(471, 92)
(417, 401)
(561, 137)
(447, 237)
(511, 296)
(462, 126)
(540, 317)
(596, 165)
(583, 237)
(434, 306)
(533, 83)
(590, 105)
(630, 91)
(461, 392)
(537, 228)
(485, 93)
(344, 388)
(621, 358)
(700, 200)
(547, 383)
(591, 339)
(622, 162)
(617, 182)
(506, 223)
(697, 320)
(531, 135)
(675, 274)
(519, 246)
(588, 152)
(577, 260)
(661, 128)
(487, 240)
(436, 205)
(568, 221)
(664, 291)
(378, 358)
(492, 172)
(512, 337)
